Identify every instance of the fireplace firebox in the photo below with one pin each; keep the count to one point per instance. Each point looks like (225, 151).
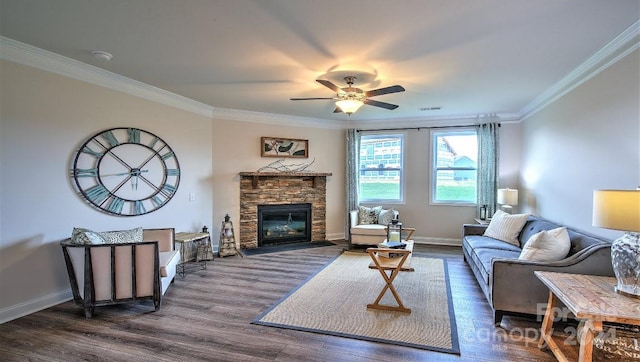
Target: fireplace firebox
(284, 223)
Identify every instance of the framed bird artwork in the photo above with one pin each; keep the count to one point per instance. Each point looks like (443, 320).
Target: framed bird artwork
(284, 147)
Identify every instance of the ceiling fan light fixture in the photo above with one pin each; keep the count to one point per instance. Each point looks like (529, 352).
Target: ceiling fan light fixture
(349, 106)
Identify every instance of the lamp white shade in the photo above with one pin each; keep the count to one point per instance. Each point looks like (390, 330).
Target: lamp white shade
(349, 106)
(507, 196)
(617, 209)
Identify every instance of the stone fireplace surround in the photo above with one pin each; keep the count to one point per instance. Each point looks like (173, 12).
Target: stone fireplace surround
(277, 188)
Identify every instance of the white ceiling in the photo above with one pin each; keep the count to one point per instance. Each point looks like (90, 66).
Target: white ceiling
(470, 57)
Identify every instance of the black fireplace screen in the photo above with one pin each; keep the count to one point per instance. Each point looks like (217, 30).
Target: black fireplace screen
(284, 223)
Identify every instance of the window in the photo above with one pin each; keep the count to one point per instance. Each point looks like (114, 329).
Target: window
(381, 168)
(455, 159)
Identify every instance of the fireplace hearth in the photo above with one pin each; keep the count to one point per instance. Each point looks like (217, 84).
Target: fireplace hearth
(288, 223)
(282, 188)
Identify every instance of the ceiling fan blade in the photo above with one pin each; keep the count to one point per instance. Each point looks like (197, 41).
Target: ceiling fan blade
(385, 90)
(329, 85)
(337, 110)
(307, 99)
(380, 104)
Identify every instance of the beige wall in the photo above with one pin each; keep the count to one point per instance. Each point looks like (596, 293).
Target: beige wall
(44, 118)
(442, 224)
(236, 148)
(587, 140)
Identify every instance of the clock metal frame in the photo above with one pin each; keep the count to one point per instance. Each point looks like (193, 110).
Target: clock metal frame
(125, 171)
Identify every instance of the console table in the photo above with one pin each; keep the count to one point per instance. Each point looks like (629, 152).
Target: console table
(590, 298)
(194, 248)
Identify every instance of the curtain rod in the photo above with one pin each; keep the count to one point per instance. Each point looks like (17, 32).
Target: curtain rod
(419, 128)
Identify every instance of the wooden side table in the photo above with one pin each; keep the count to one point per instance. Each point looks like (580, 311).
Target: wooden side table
(394, 266)
(590, 298)
(482, 222)
(194, 248)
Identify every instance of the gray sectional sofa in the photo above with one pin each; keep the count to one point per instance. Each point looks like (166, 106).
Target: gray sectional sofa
(509, 284)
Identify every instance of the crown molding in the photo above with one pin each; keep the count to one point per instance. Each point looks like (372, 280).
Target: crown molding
(621, 46)
(275, 119)
(29, 55)
(430, 122)
(25, 54)
(15, 51)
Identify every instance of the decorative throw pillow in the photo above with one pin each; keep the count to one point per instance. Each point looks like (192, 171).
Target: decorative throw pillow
(80, 236)
(506, 227)
(386, 215)
(123, 236)
(547, 245)
(368, 215)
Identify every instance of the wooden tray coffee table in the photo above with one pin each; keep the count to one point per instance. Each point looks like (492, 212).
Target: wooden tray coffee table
(393, 266)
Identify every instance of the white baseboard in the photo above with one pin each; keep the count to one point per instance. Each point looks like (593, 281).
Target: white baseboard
(31, 306)
(417, 240)
(336, 236)
(437, 241)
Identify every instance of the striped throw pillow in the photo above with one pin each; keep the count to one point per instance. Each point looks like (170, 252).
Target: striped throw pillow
(506, 227)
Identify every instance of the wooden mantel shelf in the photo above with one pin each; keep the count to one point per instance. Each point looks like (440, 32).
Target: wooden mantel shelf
(256, 175)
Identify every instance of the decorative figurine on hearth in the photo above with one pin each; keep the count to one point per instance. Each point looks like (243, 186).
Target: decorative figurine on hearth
(227, 245)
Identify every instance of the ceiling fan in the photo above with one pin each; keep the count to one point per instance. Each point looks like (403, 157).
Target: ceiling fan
(350, 99)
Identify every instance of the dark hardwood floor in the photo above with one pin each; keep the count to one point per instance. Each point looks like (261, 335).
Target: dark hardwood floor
(206, 316)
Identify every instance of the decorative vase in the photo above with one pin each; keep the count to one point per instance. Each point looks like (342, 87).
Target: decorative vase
(625, 259)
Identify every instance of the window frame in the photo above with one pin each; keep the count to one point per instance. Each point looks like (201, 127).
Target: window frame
(434, 169)
(402, 135)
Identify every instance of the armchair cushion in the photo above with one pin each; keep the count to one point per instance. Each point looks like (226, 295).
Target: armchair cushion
(123, 236)
(370, 229)
(368, 215)
(386, 215)
(81, 236)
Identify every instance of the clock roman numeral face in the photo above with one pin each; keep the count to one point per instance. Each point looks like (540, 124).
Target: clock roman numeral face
(126, 171)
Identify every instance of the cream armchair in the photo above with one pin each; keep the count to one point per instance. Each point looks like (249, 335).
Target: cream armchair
(122, 272)
(369, 232)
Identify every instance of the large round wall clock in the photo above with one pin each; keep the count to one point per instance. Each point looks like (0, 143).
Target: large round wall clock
(126, 171)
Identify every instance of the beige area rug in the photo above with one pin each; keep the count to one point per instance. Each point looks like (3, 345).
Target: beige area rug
(334, 301)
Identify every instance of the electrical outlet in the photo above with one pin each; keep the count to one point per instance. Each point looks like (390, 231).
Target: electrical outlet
(192, 196)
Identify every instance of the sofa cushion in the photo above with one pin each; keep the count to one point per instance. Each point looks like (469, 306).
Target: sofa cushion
(485, 256)
(547, 245)
(506, 227)
(478, 241)
(369, 229)
(368, 215)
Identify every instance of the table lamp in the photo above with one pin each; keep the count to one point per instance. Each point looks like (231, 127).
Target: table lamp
(620, 210)
(507, 197)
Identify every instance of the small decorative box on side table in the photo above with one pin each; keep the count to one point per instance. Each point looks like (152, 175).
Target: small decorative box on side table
(194, 248)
